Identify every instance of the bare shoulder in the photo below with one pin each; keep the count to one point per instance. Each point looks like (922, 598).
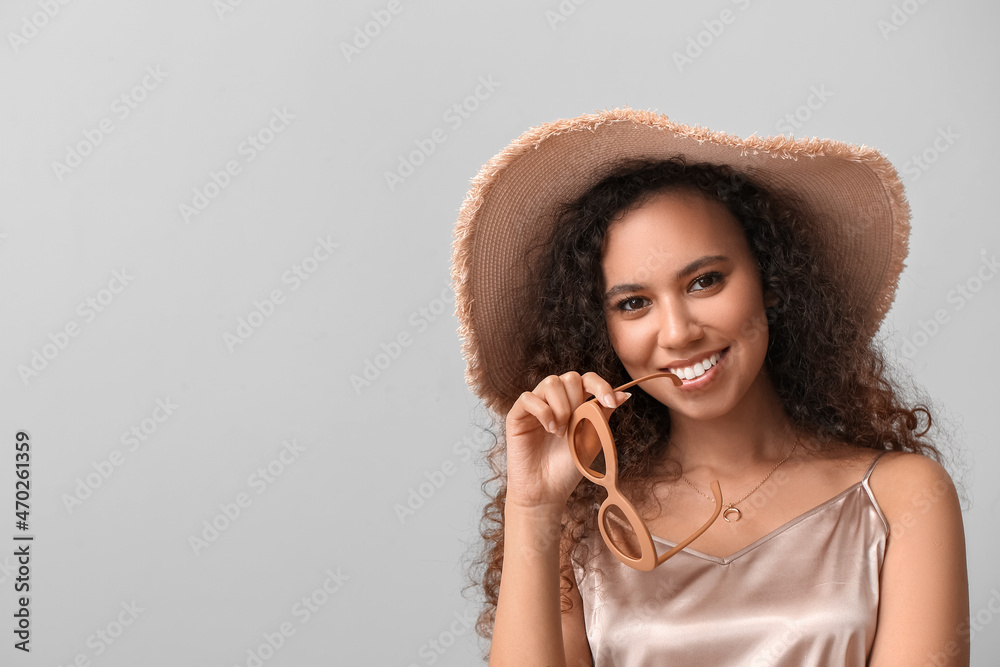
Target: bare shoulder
(924, 587)
(903, 483)
(906, 483)
(900, 466)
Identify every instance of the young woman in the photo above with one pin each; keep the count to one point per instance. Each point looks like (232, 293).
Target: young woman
(599, 250)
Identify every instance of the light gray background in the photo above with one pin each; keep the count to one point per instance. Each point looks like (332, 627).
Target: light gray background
(334, 507)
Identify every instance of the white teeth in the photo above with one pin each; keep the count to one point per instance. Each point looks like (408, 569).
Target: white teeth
(697, 370)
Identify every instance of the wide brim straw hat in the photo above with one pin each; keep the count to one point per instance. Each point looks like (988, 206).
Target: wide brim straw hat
(850, 198)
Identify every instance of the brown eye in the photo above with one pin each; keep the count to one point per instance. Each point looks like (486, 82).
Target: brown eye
(630, 304)
(708, 280)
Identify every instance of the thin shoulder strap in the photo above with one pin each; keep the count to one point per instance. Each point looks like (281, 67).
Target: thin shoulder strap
(872, 465)
(868, 490)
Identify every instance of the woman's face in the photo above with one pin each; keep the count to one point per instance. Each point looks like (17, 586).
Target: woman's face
(681, 287)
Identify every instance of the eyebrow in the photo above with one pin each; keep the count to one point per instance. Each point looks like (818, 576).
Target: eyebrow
(697, 264)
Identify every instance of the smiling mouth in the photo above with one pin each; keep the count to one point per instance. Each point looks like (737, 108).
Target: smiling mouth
(696, 371)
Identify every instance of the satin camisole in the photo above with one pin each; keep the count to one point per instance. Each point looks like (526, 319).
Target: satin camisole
(805, 594)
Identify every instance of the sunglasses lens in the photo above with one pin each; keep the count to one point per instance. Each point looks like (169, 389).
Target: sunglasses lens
(588, 448)
(621, 532)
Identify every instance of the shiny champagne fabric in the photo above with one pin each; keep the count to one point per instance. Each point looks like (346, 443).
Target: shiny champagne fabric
(805, 594)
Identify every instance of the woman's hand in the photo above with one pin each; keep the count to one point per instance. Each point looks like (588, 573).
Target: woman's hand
(540, 469)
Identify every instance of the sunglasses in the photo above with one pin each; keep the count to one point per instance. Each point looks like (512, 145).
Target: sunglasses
(629, 540)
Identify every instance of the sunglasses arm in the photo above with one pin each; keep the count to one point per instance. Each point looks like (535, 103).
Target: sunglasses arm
(673, 378)
(717, 493)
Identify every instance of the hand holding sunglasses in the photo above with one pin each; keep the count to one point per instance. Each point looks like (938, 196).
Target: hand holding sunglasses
(628, 538)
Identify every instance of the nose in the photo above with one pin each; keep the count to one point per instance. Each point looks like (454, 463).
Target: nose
(678, 327)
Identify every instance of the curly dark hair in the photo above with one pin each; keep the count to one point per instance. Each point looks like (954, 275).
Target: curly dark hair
(830, 376)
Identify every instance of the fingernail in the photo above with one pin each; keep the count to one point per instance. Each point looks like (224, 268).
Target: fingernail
(608, 401)
(552, 427)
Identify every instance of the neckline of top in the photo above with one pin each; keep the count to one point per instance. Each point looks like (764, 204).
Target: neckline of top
(725, 560)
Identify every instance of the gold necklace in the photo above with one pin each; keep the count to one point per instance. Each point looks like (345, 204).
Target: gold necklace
(731, 508)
